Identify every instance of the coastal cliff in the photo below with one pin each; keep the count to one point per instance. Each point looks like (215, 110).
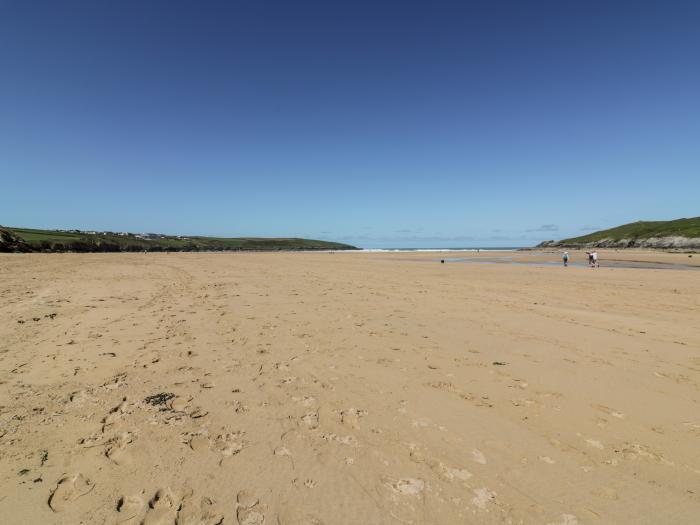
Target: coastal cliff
(673, 243)
(680, 234)
(11, 243)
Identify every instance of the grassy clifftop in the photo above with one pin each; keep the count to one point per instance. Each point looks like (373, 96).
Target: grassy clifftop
(82, 241)
(644, 230)
(679, 233)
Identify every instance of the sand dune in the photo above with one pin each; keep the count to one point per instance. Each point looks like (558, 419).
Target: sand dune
(347, 388)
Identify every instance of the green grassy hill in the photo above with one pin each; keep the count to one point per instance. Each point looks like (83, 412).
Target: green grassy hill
(644, 230)
(679, 233)
(81, 241)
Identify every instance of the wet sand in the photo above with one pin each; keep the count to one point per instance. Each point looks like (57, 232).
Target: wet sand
(348, 388)
(611, 259)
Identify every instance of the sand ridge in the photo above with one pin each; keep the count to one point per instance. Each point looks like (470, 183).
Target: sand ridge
(346, 388)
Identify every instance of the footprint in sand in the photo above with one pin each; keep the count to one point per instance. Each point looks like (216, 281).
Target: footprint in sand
(282, 451)
(206, 512)
(438, 467)
(68, 489)
(117, 448)
(199, 442)
(197, 412)
(609, 411)
(309, 483)
(482, 497)
(249, 511)
(116, 414)
(406, 486)
(400, 496)
(478, 457)
(80, 398)
(351, 417)
(311, 420)
(292, 515)
(129, 508)
(230, 443)
(308, 401)
(594, 443)
(162, 509)
(91, 440)
(451, 474)
(566, 519)
(178, 404)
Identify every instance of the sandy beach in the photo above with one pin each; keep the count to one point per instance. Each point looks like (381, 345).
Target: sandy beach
(347, 388)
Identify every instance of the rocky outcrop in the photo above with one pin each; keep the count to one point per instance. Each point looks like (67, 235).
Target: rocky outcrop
(10, 243)
(666, 243)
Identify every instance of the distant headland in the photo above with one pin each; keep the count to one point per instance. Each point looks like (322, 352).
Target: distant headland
(31, 240)
(679, 234)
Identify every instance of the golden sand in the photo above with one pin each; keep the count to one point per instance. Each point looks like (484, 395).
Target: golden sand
(347, 389)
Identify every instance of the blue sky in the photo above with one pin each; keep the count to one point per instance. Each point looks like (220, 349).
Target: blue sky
(376, 123)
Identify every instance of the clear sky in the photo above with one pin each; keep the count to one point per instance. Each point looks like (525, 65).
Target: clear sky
(376, 123)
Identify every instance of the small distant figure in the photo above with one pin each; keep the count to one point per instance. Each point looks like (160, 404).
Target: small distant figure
(442, 261)
(594, 260)
(590, 258)
(565, 258)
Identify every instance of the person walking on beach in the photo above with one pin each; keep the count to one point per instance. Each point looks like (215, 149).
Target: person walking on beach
(594, 260)
(565, 258)
(590, 258)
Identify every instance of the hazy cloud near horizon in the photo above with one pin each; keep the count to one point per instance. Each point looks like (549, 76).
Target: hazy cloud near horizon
(437, 239)
(545, 228)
